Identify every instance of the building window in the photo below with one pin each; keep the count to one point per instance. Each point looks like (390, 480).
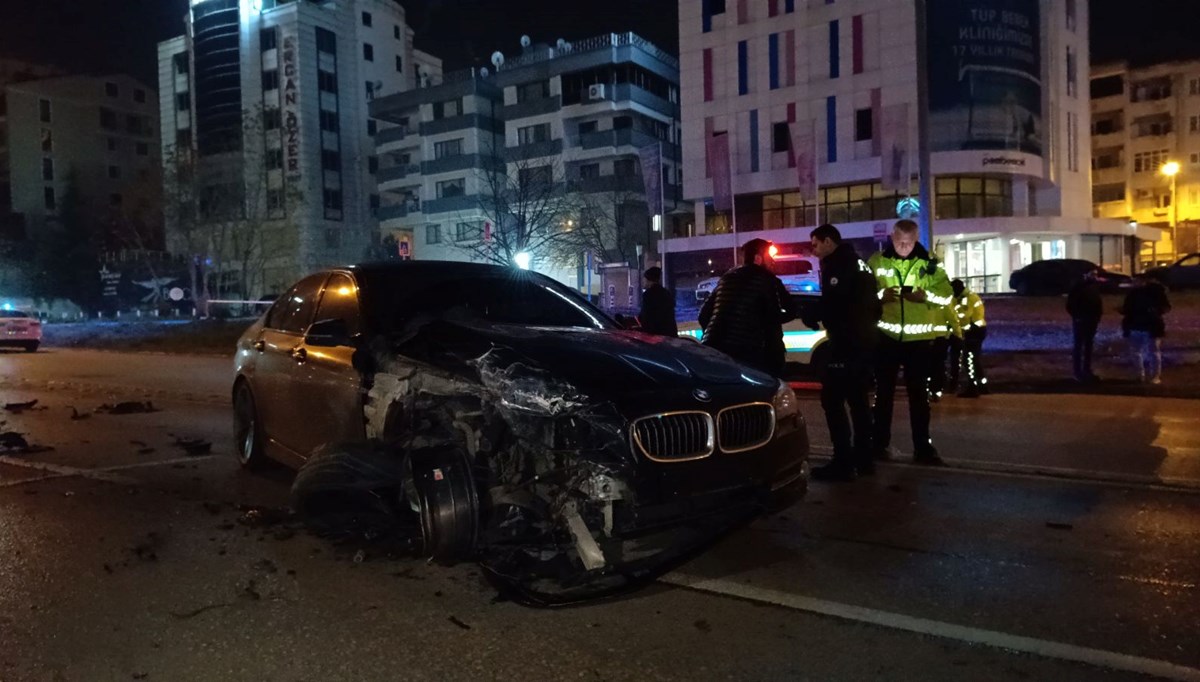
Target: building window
(451, 188)
(743, 67)
(433, 234)
(111, 90)
(863, 125)
(972, 197)
(372, 127)
(332, 199)
(625, 167)
(181, 63)
(1106, 193)
(1195, 158)
(272, 119)
(329, 121)
(536, 176)
(183, 102)
(44, 110)
(587, 127)
(48, 198)
(366, 18)
(399, 64)
(183, 137)
(1071, 15)
(835, 64)
(47, 140)
(533, 134)
(448, 148)
(112, 144)
(588, 171)
(48, 170)
(1194, 124)
(536, 90)
(370, 89)
(1149, 162)
(372, 164)
(114, 172)
(1072, 82)
(326, 41)
(468, 232)
(133, 125)
(268, 39)
(373, 204)
(331, 160)
(396, 32)
(139, 96)
(274, 159)
(326, 81)
(780, 138)
(368, 52)
(275, 199)
(270, 79)
(447, 109)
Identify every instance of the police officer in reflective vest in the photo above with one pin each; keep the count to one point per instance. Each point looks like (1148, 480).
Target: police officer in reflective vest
(951, 338)
(913, 289)
(969, 308)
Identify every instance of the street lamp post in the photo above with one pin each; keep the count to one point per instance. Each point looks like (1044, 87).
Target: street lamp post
(1171, 170)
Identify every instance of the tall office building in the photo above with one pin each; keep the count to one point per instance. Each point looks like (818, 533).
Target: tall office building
(267, 138)
(816, 103)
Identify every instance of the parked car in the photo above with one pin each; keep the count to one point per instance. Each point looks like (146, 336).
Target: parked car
(1183, 274)
(1056, 277)
(494, 414)
(20, 329)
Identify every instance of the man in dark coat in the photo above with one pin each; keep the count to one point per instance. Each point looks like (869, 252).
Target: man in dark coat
(658, 306)
(850, 311)
(1143, 324)
(1085, 308)
(744, 316)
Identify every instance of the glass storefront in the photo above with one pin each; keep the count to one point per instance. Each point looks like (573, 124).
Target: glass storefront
(978, 264)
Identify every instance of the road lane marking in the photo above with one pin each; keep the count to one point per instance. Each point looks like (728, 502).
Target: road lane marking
(105, 474)
(1043, 473)
(924, 626)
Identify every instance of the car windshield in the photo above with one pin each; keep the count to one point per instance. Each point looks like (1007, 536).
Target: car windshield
(394, 302)
(13, 313)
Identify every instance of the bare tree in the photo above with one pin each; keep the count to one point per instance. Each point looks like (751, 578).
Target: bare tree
(611, 225)
(528, 210)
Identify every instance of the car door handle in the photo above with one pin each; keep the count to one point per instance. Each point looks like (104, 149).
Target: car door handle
(260, 345)
(299, 354)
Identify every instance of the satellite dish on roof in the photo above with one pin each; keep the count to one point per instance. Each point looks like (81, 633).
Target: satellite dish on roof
(483, 73)
(525, 42)
(497, 59)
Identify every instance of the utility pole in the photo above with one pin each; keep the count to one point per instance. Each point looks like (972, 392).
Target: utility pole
(924, 155)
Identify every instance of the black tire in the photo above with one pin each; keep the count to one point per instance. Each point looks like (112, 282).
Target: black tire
(247, 430)
(32, 347)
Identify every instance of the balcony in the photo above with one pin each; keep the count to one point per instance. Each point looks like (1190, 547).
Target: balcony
(400, 210)
(398, 172)
(536, 107)
(533, 150)
(396, 134)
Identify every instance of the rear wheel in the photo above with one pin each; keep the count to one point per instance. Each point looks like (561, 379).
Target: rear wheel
(247, 431)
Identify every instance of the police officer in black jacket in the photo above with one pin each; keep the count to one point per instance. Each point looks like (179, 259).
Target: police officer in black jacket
(850, 310)
(744, 316)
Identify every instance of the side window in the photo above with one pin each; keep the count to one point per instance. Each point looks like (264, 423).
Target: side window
(340, 302)
(296, 308)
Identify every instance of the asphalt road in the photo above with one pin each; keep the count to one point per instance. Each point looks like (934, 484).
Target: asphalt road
(1063, 545)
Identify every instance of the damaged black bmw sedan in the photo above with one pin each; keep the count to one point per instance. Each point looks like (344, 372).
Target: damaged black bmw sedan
(492, 414)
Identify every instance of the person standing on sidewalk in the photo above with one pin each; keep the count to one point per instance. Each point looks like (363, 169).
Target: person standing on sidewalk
(1144, 326)
(1085, 308)
(968, 307)
(850, 311)
(912, 287)
(658, 306)
(744, 316)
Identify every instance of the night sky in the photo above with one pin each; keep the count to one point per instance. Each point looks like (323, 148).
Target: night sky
(112, 35)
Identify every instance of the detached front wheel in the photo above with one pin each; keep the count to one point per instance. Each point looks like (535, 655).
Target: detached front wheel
(247, 430)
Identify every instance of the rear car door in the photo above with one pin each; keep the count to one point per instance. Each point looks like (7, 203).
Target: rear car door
(325, 389)
(279, 360)
(1187, 272)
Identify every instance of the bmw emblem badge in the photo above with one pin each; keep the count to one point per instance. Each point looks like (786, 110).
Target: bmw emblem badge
(701, 395)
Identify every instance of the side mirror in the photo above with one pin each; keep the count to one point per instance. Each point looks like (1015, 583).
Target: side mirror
(328, 333)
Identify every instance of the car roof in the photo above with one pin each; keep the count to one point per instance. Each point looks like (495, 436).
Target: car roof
(419, 267)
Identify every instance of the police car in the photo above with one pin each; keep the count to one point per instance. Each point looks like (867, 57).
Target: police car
(800, 275)
(805, 347)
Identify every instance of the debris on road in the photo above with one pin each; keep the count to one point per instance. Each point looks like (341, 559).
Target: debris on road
(18, 408)
(76, 415)
(194, 447)
(13, 443)
(459, 623)
(127, 407)
(261, 517)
